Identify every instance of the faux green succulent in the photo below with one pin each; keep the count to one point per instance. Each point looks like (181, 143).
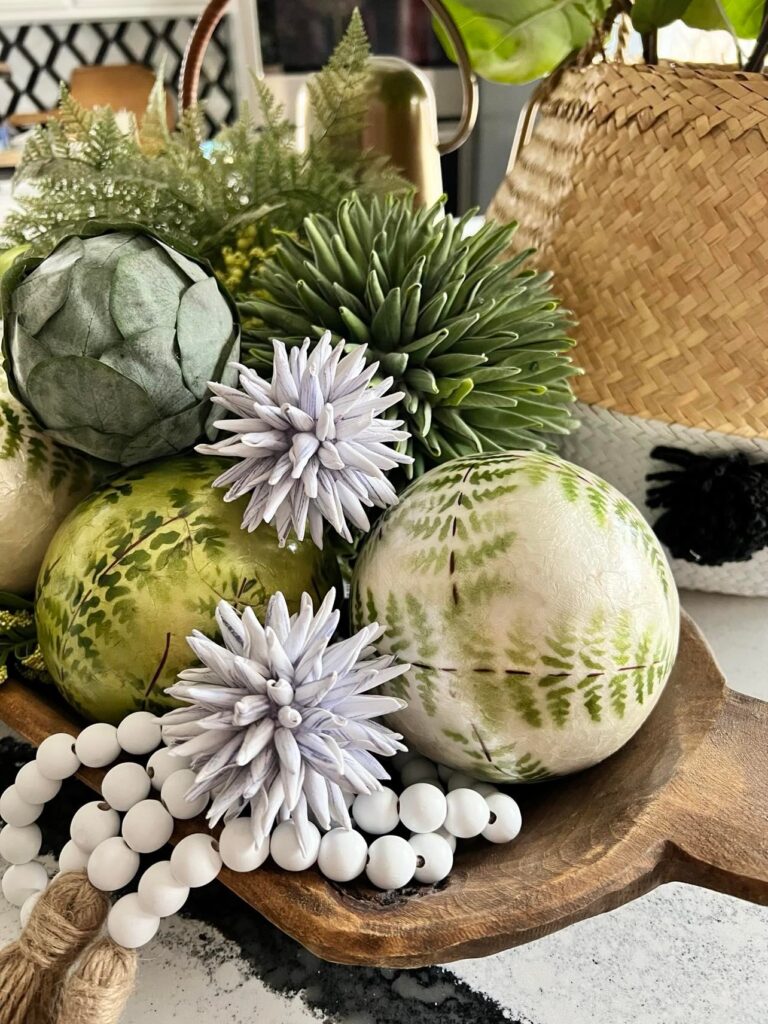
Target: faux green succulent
(111, 340)
(473, 339)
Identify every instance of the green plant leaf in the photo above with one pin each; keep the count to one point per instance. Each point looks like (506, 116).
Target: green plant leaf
(740, 17)
(648, 15)
(517, 42)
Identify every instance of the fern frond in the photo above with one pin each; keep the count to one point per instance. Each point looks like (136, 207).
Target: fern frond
(339, 95)
(154, 136)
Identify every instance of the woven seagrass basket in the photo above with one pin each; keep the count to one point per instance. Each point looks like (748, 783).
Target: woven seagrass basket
(645, 189)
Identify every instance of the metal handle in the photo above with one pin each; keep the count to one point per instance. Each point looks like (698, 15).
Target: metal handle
(205, 26)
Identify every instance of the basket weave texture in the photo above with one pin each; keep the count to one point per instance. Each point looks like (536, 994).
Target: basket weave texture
(645, 189)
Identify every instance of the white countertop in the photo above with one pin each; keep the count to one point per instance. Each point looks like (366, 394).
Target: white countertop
(679, 955)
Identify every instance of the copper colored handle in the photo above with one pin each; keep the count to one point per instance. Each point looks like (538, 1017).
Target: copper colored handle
(205, 26)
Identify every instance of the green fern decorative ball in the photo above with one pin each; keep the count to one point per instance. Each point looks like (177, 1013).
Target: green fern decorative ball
(530, 654)
(473, 338)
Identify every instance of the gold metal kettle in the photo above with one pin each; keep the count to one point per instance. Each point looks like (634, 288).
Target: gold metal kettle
(402, 114)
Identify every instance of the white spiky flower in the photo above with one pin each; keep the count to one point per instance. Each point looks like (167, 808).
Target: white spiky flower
(311, 444)
(280, 720)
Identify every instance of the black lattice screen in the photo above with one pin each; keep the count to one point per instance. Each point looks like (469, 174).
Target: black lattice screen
(41, 56)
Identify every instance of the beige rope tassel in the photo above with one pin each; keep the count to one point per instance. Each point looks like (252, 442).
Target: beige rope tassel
(65, 919)
(98, 988)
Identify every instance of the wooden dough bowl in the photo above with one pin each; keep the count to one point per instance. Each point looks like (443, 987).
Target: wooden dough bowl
(686, 800)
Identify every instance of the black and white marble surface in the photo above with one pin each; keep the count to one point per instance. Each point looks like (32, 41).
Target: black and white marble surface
(679, 955)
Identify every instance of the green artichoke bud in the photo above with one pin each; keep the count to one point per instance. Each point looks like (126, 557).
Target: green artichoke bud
(110, 343)
(473, 339)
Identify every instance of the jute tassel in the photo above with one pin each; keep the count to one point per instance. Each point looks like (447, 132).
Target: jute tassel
(65, 919)
(99, 986)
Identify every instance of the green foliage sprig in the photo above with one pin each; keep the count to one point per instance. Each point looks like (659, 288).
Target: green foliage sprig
(224, 202)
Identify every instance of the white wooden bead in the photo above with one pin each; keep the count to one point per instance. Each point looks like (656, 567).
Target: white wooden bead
(391, 862)
(28, 906)
(173, 795)
(164, 763)
(125, 785)
(20, 881)
(460, 780)
(159, 892)
(19, 845)
(130, 926)
(97, 745)
(237, 846)
(196, 860)
(468, 813)
(434, 857)
(32, 785)
(423, 807)
(343, 854)
(376, 813)
(147, 826)
(94, 823)
(72, 858)
(484, 788)
(16, 811)
(112, 865)
(401, 758)
(506, 820)
(285, 849)
(451, 840)
(419, 769)
(139, 733)
(56, 757)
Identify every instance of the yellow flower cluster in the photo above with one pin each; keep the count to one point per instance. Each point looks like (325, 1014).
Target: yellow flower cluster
(239, 264)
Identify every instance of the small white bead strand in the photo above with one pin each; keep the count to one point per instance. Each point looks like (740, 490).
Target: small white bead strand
(238, 848)
(16, 811)
(129, 925)
(423, 807)
(147, 826)
(286, 851)
(72, 858)
(159, 892)
(434, 857)
(32, 785)
(125, 785)
(97, 745)
(21, 881)
(343, 854)
(20, 845)
(112, 865)
(139, 733)
(93, 823)
(505, 819)
(468, 813)
(173, 795)
(196, 860)
(376, 813)
(163, 764)
(56, 758)
(391, 862)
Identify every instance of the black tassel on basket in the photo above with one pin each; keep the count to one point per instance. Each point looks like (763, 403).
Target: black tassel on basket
(715, 507)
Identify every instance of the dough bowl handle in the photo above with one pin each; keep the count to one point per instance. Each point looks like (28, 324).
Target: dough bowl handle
(717, 813)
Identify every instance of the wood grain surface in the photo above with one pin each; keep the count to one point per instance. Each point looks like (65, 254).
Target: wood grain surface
(686, 799)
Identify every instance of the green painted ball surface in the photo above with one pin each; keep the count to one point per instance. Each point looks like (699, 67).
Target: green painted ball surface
(535, 606)
(141, 563)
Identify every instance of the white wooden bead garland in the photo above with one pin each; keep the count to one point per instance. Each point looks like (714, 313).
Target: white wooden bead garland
(109, 848)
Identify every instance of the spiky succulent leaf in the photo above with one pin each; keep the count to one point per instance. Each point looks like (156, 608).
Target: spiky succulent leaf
(472, 337)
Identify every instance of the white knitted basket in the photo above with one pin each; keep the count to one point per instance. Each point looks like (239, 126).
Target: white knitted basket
(618, 448)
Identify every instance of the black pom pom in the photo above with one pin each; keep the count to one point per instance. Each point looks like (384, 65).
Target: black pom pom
(716, 508)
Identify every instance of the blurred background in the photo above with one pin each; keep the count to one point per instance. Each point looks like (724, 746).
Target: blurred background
(108, 51)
